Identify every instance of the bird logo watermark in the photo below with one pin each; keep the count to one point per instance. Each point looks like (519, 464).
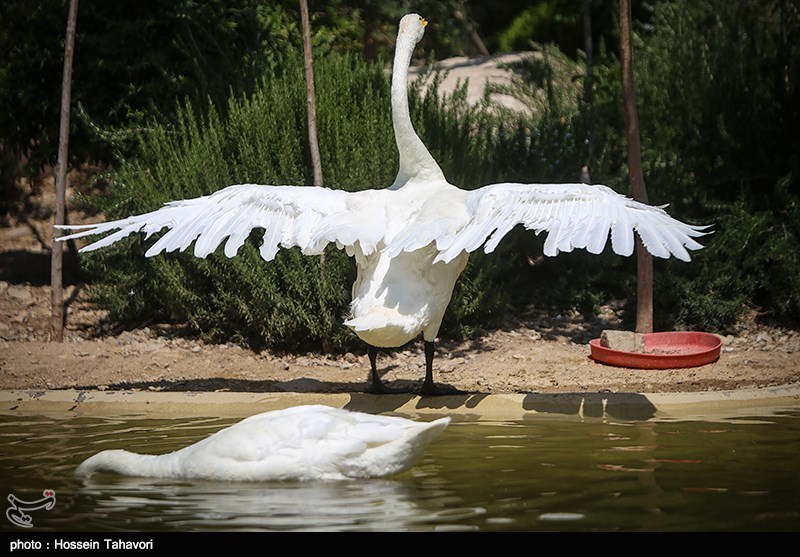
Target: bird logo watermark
(16, 513)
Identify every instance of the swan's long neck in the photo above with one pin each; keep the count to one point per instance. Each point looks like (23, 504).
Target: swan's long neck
(130, 464)
(415, 160)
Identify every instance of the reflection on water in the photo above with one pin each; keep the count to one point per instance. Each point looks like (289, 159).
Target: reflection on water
(544, 473)
(370, 505)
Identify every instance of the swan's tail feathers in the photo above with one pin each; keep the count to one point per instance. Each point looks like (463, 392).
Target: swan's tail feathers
(432, 430)
(383, 329)
(409, 449)
(366, 322)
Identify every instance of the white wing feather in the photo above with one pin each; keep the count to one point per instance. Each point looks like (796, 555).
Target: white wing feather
(573, 216)
(307, 217)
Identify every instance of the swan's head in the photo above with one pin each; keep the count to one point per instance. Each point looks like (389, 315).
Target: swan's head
(412, 26)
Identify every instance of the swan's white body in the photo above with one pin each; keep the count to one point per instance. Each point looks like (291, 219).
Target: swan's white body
(411, 240)
(301, 443)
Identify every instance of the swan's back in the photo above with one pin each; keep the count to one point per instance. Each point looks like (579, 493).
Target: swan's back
(300, 443)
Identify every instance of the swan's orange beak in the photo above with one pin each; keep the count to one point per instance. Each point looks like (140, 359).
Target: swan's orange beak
(424, 21)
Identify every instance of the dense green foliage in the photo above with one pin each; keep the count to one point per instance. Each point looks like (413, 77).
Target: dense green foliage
(718, 107)
(136, 59)
(132, 59)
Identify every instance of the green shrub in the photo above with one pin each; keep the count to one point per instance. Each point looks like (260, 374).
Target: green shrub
(717, 97)
(702, 74)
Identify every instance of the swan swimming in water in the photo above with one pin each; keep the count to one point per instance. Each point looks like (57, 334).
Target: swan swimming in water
(411, 240)
(312, 442)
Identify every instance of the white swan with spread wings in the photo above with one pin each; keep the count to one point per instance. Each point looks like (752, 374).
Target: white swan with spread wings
(411, 240)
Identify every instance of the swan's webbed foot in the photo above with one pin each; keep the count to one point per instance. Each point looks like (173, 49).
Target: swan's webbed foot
(429, 388)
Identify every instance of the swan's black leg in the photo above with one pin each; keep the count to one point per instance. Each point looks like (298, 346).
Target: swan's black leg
(429, 388)
(375, 385)
(374, 380)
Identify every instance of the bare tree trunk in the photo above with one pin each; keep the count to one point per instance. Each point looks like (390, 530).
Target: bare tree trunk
(644, 261)
(57, 257)
(310, 95)
(313, 143)
(588, 90)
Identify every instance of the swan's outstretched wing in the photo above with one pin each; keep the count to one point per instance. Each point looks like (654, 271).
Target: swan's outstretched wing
(308, 217)
(573, 215)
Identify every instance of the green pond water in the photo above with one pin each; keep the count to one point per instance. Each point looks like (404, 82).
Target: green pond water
(547, 473)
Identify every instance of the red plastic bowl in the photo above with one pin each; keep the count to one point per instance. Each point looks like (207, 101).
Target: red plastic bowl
(667, 350)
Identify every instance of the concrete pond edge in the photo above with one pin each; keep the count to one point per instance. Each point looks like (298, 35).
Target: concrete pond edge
(706, 405)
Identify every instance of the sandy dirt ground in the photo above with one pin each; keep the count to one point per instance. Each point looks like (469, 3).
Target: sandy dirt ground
(536, 351)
